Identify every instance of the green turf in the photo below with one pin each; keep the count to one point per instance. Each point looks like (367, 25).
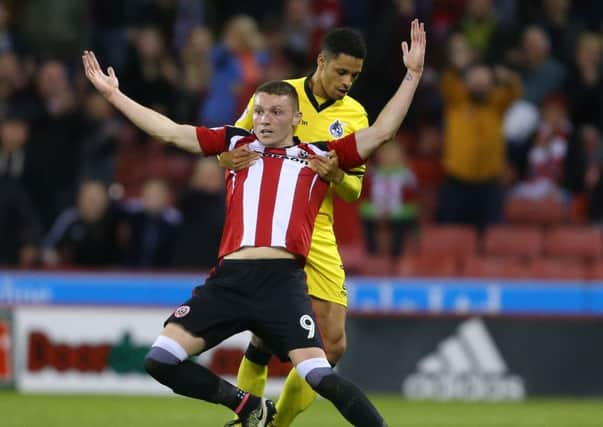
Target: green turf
(115, 411)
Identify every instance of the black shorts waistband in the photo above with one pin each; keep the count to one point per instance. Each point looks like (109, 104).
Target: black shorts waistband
(280, 262)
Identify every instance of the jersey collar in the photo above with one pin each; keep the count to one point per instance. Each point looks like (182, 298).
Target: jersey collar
(318, 107)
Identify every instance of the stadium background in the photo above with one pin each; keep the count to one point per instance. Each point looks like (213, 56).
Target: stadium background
(479, 277)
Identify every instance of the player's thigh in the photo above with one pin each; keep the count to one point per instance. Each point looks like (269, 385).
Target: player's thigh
(300, 354)
(190, 343)
(284, 318)
(325, 274)
(213, 314)
(331, 320)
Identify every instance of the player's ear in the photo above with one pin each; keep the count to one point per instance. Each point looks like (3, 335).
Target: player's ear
(321, 60)
(297, 118)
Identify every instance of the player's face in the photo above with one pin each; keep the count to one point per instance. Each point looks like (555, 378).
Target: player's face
(337, 74)
(274, 118)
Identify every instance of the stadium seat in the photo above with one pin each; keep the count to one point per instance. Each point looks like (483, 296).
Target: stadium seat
(447, 241)
(495, 267)
(513, 241)
(595, 271)
(376, 266)
(353, 256)
(429, 171)
(558, 269)
(347, 224)
(538, 212)
(428, 266)
(582, 242)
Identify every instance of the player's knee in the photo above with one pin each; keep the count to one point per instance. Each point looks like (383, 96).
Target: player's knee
(314, 370)
(334, 349)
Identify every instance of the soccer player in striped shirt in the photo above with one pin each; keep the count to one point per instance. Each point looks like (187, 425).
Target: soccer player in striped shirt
(327, 112)
(259, 284)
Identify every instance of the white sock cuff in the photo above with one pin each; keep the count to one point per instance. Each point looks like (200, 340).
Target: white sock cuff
(171, 346)
(304, 368)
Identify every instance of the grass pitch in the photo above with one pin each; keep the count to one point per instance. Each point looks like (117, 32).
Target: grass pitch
(17, 410)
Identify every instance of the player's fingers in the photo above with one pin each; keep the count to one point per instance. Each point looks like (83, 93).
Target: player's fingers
(111, 72)
(245, 157)
(320, 161)
(89, 70)
(404, 48)
(312, 165)
(412, 30)
(423, 34)
(85, 62)
(96, 64)
(93, 62)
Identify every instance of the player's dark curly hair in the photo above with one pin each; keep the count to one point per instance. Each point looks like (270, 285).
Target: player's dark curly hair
(344, 40)
(279, 87)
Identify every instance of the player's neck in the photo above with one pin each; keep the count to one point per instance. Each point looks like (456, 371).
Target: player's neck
(284, 143)
(316, 86)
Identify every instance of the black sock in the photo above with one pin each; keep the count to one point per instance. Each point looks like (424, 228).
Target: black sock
(257, 355)
(351, 402)
(193, 380)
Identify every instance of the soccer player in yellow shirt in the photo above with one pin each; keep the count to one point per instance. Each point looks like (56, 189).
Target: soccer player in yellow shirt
(327, 113)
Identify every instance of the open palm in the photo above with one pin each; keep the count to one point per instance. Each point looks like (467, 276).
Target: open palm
(105, 84)
(414, 57)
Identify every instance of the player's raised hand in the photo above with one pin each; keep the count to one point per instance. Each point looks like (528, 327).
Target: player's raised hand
(414, 57)
(106, 84)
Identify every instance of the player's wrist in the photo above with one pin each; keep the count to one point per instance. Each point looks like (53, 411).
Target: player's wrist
(338, 177)
(413, 74)
(111, 95)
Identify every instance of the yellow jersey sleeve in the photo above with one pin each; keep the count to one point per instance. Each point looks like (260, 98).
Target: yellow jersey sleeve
(350, 188)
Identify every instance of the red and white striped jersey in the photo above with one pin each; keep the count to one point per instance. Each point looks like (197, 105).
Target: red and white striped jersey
(274, 202)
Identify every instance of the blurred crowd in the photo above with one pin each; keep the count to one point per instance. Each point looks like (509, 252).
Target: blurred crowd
(509, 113)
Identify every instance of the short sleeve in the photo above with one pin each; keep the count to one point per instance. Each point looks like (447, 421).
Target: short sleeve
(212, 140)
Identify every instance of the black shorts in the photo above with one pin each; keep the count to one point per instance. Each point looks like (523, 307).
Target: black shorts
(267, 297)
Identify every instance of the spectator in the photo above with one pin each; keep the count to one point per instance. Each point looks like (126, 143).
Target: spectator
(54, 28)
(7, 39)
(109, 31)
(15, 161)
(389, 200)
(85, 235)
(101, 131)
(297, 27)
(237, 68)
(474, 148)
(150, 74)
(547, 156)
(593, 147)
(54, 136)
(202, 208)
(561, 28)
(196, 74)
(542, 75)
(20, 227)
(585, 88)
(14, 93)
(151, 225)
(480, 27)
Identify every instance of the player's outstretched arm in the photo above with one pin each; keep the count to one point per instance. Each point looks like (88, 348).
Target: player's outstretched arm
(153, 123)
(391, 116)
